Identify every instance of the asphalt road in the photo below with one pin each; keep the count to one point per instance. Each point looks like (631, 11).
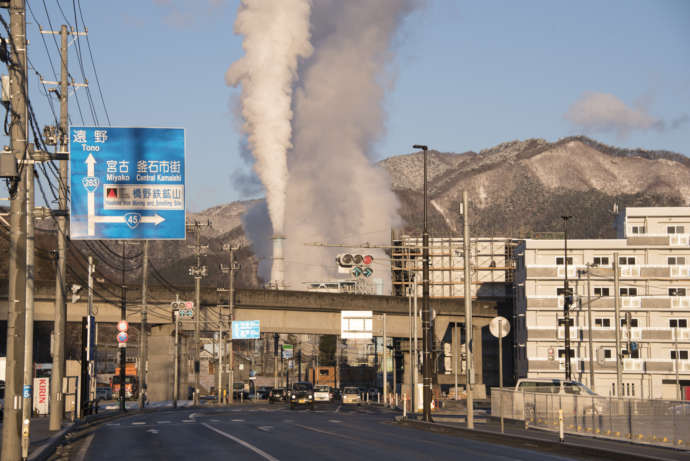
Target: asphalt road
(274, 432)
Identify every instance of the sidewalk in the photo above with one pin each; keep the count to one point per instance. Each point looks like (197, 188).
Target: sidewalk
(39, 431)
(454, 421)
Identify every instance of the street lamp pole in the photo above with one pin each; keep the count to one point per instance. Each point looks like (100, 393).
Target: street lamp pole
(566, 301)
(426, 311)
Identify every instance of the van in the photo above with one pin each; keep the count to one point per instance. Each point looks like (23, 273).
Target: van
(552, 386)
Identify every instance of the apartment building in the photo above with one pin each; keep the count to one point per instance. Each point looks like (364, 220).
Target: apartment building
(653, 254)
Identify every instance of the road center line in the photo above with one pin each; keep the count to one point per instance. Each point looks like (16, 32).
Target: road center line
(256, 450)
(168, 422)
(139, 423)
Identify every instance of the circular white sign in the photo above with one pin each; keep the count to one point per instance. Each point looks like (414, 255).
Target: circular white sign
(505, 327)
(122, 325)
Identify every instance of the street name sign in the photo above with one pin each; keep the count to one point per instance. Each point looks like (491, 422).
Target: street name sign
(127, 183)
(245, 329)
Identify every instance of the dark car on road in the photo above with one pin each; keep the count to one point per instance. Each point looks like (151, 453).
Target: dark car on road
(302, 393)
(277, 394)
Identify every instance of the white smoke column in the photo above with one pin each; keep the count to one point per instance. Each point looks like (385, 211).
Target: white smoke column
(335, 193)
(276, 34)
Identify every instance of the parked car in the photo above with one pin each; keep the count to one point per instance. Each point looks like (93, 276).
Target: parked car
(302, 393)
(351, 395)
(596, 406)
(263, 391)
(277, 394)
(104, 393)
(322, 393)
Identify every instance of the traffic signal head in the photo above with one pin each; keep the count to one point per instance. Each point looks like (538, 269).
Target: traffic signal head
(344, 260)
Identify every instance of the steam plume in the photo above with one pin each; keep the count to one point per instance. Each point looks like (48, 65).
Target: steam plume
(276, 35)
(335, 194)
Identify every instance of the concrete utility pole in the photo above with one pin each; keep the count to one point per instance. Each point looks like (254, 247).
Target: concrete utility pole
(57, 403)
(467, 276)
(123, 316)
(197, 272)
(92, 363)
(566, 302)
(29, 309)
(426, 310)
(617, 294)
(11, 427)
(589, 323)
(176, 377)
(143, 340)
(230, 270)
(385, 362)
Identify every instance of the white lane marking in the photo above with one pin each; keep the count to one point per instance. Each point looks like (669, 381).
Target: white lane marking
(138, 423)
(334, 421)
(163, 422)
(188, 421)
(81, 454)
(337, 409)
(321, 431)
(215, 420)
(113, 424)
(237, 420)
(256, 450)
(265, 428)
(193, 415)
(153, 431)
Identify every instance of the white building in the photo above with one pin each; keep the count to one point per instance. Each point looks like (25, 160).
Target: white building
(654, 259)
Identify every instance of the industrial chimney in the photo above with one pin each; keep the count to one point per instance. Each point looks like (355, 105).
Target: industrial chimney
(278, 267)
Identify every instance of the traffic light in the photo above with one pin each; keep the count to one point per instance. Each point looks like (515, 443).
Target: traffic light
(75, 290)
(356, 264)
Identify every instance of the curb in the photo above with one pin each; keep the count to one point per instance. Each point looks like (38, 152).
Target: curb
(526, 442)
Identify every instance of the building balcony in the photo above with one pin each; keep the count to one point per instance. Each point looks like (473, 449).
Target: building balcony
(632, 271)
(608, 302)
(581, 333)
(674, 240)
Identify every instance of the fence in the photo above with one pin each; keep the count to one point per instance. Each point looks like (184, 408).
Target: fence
(657, 422)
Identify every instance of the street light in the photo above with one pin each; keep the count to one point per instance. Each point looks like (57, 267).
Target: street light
(426, 311)
(566, 300)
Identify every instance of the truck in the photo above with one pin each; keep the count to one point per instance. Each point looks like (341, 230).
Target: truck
(324, 376)
(131, 382)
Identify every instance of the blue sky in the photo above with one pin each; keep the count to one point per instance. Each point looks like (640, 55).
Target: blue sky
(465, 76)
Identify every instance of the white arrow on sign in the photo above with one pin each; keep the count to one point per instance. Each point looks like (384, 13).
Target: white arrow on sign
(131, 219)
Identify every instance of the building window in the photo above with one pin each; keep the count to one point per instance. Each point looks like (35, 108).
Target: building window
(633, 323)
(676, 260)
(676, 291)
(607, 354)
(626, 260)
(628, 291)
(561, 353)
(601, 260)
(601, 291)
(675, 229)
(678, 323)
(560, 259)
(638, 230)
(682, 355)
(633, 355)
(603, 323)
(561, 322)
(560, 291)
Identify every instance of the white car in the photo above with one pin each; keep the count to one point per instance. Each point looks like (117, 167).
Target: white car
(322, 394)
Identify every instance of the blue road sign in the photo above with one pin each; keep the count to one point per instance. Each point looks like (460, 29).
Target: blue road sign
(127, 183)
(26, 391)
(245, 329)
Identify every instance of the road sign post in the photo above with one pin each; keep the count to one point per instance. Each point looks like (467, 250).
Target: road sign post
(500, 327)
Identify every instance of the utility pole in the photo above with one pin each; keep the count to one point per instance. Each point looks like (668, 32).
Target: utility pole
(230, 270)
(467, 276)
(426, 310)
(57, 403)
(415, 360)
(197, 272)
(617, 294)
(29, 308)
(143, 340)
(566, 302)
(385, 362)
(589, 323)
(123, 317)
(11, 427)
(92, 363)
(176, 377)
